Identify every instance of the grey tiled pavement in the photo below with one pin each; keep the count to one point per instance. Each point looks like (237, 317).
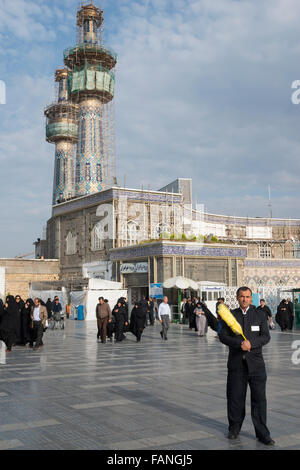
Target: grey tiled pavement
(75, 393)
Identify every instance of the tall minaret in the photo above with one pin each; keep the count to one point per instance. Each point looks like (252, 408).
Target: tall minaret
(91, 85)
(62, 129)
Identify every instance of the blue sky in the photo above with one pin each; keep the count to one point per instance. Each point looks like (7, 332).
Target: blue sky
(203, 90)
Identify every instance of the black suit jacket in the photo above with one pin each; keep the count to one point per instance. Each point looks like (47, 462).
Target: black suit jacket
(256, 330)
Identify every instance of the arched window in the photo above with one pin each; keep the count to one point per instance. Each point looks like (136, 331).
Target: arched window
(82, 147)
(71, 242)
(65, 170)
(131, 233)
(86, 26)
(92, 135)
(99, 172)
(58, 169)
(97, 238)
(88, 172)
(265, 250)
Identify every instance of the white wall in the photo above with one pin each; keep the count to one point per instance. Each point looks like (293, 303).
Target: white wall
(253, 231)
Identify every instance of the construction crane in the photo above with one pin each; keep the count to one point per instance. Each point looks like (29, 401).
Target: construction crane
(24, 256)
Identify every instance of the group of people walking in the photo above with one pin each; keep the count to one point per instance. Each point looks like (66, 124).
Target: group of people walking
(110, 322)
(285, 315)
(24, 322)
(198, 316)
(116, 321)
(145, 312)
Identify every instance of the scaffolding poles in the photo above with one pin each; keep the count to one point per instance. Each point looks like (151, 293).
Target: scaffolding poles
(83, 112)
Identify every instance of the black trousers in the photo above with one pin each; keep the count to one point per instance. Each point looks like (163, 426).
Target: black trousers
(291, 321)
(119, 328)
(150, 315)
(139, 332)
(37, 334)
(237, 383)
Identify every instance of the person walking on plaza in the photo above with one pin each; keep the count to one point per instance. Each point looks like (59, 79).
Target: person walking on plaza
(164, 316)
(8, 322)
(110, 328)
(56, 309)
(38, 317)
(104, 316)
(124, 304)
(282, 315)
(27, 308)
(189, 313)
(22, 324)
(155, 308)
(290, 308)
(49, 308)
(264, 309)
(121, 320)
(201, 321)
(145, 307)
(151, 311)
(20, 304)
(182, 310)
(246, 366)
(137, 321)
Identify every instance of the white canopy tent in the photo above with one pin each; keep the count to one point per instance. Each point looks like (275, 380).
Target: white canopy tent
(98, 288)
(180, 282)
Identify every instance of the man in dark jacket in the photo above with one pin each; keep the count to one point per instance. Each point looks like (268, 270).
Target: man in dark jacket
(104, 316)
(246, 366)
(263, 308)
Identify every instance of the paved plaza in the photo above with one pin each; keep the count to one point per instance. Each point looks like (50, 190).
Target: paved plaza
(76, 393)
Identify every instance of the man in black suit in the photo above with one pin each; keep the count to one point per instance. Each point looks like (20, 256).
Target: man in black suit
(246, 366)
(263, 308)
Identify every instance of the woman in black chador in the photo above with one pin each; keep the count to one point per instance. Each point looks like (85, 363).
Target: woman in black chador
(282, 315)
(8, 322)
(21, 323)
(49, 308)
(137, 321)
(30, 331)
(121, 318)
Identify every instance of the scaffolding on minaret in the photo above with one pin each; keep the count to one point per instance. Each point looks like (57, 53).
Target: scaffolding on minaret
(87, 88)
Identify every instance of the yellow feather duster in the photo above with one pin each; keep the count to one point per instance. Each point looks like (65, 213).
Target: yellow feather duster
(229, 319)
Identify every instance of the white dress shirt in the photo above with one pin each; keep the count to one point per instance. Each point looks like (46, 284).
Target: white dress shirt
(164, 309)
(244, 312)
(36, 314)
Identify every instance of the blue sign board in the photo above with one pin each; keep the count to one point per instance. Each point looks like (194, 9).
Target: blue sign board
(156, 291)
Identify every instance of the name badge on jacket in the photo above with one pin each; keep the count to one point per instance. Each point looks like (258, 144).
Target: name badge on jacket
(255, 328)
